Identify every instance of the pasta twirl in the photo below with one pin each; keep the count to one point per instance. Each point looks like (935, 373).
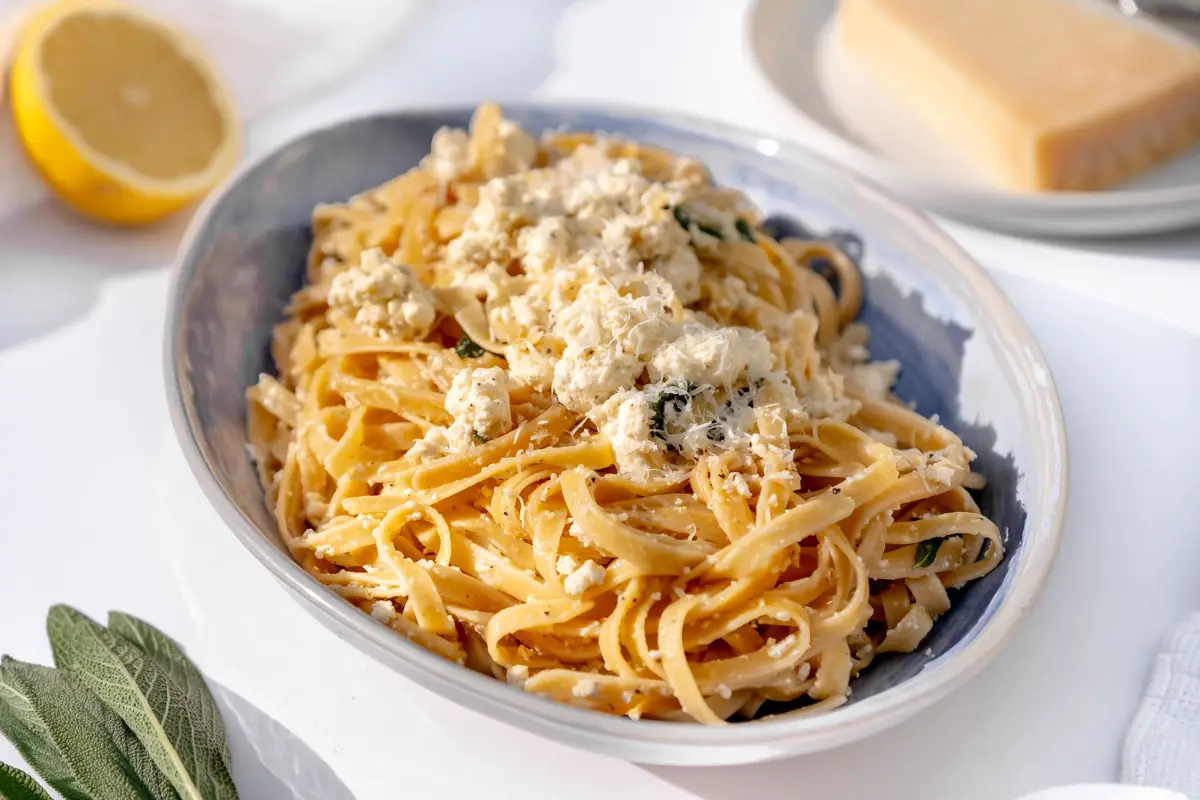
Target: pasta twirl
(559, 410)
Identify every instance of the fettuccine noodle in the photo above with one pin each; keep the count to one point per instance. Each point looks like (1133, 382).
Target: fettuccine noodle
(562, 412)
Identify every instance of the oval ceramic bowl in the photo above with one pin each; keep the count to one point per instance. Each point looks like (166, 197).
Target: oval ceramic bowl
(967, 357)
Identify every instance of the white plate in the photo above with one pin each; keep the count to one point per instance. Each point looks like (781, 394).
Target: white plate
(830, 105)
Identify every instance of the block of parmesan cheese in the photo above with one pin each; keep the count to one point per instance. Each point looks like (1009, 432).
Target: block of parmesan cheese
(1040, 94)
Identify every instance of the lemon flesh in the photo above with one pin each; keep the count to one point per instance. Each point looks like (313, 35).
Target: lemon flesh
(119, 113)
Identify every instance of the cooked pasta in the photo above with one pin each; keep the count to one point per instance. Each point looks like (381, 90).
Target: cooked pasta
(561, 411)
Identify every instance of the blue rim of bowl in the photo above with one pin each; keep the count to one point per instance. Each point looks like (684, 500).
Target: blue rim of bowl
(650, 741)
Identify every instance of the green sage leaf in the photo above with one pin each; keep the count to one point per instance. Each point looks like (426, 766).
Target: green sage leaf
(687, 222)
(167, 653)
(73, 741)
(18, 785)
(744, 230)
(469, 348)
(34, 745)
(679, 398)
(164, 718)
(927, 551)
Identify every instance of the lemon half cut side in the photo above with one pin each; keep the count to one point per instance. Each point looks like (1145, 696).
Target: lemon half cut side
(119, 112)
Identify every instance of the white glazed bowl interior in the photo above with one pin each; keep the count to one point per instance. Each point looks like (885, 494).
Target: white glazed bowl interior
(967, 357)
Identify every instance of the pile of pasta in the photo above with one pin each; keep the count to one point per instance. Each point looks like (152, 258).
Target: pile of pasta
(715, 601)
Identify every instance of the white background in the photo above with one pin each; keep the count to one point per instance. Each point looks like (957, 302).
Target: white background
(101, 513)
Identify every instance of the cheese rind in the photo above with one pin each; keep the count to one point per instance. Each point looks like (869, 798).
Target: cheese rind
(1041, 94)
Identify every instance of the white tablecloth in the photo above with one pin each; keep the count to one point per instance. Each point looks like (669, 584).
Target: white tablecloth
(103, 514)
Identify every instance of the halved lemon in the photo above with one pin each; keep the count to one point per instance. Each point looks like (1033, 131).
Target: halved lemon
(119, 112)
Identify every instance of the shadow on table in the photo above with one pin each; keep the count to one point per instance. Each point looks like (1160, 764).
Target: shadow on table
(55, 264)
(270, 761)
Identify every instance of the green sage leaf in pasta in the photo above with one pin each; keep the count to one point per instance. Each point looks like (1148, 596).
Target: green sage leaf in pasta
(927, 551)
(687, 222)
(678, 397)
(744, 230)
(682, 217)
(157, 709)
(72, 740)
(167, 653)
(469, 348)
(18, 785)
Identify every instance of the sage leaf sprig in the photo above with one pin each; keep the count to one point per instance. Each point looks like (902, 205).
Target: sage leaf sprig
(152, 704)
(165, 652)
(124, 716)
(18, 785)
(74, 741)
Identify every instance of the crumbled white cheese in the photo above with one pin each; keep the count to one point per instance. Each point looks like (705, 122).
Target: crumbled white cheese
(723, 691)
(735, 483)
(517, 150)
(765, 450)
(653, 239)
(591, 283)
(449, 154)
(584, 688)
(680, 267)
(529, 366)
(625, 419)
(491, 283)
(566, 565)
(543, 245)
(434, 444)
(777, 649)
(587, 575)
(718, 357)
(516, 675)
(384, 297)
(939, 474)
(504, 205)
(383, 611)
(478, 399)
(872, 380)
(609, 338)
(823, 396)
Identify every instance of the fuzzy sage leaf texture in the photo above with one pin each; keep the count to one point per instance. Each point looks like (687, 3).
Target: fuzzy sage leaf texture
(166, 719)
(17, 785)
(76, 743)
(19, 724)
(167, 653)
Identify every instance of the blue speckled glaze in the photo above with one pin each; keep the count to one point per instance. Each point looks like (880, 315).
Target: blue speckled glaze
(248, 257)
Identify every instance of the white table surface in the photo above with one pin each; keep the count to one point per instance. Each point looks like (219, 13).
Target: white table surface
(102, 513)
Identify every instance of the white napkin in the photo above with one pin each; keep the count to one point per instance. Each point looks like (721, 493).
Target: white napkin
(1162, 747)
(270, 52)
